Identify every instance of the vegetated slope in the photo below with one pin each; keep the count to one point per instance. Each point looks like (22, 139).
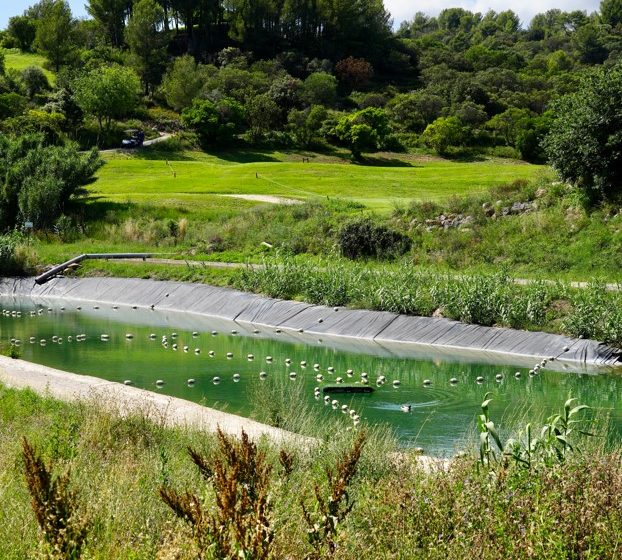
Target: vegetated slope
(378, 187)
(548, 507)
(18, 60)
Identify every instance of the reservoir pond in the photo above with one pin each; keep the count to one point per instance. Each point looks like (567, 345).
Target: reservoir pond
(429, 397)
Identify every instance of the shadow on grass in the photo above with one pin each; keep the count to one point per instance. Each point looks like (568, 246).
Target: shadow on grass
(372, 161)
(244, 155)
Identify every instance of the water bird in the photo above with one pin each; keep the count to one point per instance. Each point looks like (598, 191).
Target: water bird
(288, 361)
(396, 383)
(479, 379)
(330, 369)
(214, 333)
(335, 404)
(129, 336)
(543, 363)
(262, 375)
(344, 408)
(62, 309)
(233, 331)
(190, 381)
(532, 372)
(79, 308)
(216, 380)
(301, 330)
(43, 342)
(326, 399)
(316, 366)
(105, 337)
(49, 310)
(352, 413)
(32, 340)
(174, 346)
(60, 340)
(350, 373)
(303, 363)
(517, 374)
(405, 407)
(197, 351)
(211, 353)
(186, 349)
(364, 374)
(195, 334)
(255, 331)
(160, 382)
(319, 377)
(499, 377)
(133, 307)
(54, 338)
(96, 307)
(364, 381)
(128, 382)
(339, 380)
(152, 336)
(250, 357)
(418, 450)
(292, 375)
(320, 320)
(236, 377)
(427, 382)
(268, 358)
(277, 331)
(566, 348)
(381, 379)
(173, 335)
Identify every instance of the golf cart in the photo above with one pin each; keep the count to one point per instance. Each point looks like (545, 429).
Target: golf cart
(134, 139)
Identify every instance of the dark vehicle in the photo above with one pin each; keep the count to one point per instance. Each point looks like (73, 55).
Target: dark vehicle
(135, 139)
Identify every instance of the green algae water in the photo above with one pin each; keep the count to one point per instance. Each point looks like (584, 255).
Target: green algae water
(228, 362)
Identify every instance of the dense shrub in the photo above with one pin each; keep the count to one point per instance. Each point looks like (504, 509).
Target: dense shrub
(363, 238)
(15, 259)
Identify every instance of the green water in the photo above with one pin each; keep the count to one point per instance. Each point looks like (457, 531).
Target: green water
(441, 415)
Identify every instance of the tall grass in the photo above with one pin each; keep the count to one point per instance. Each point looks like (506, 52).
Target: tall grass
(395, 509)
(484, 299)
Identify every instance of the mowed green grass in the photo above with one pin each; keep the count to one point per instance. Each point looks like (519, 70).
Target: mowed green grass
(20, 60)
(186, 181)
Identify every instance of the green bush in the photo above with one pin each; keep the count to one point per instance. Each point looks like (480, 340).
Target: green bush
(363, 238)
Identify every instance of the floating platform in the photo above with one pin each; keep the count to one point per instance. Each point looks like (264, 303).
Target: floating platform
(329, 389)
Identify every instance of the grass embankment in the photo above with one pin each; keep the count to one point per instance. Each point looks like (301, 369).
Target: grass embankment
(553, 509)
(17, 60)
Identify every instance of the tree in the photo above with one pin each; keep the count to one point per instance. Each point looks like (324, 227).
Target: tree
(216, 123)
(443, 133)
(146, 41)
(584, 144)
(35, 81)
(320, 88)
(54, 37)
(354, 73)
(306, 123)
(363, 131)
(263, 115)
(107, 93)
(23, 29)
(110, 15)
(39, 180)
(183, 82)
(508, 124)
(611, 12)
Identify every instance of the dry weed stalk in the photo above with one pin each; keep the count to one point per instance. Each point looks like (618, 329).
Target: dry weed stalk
(239, 525)
(332, 511)
(287, 462)
(55, 507)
